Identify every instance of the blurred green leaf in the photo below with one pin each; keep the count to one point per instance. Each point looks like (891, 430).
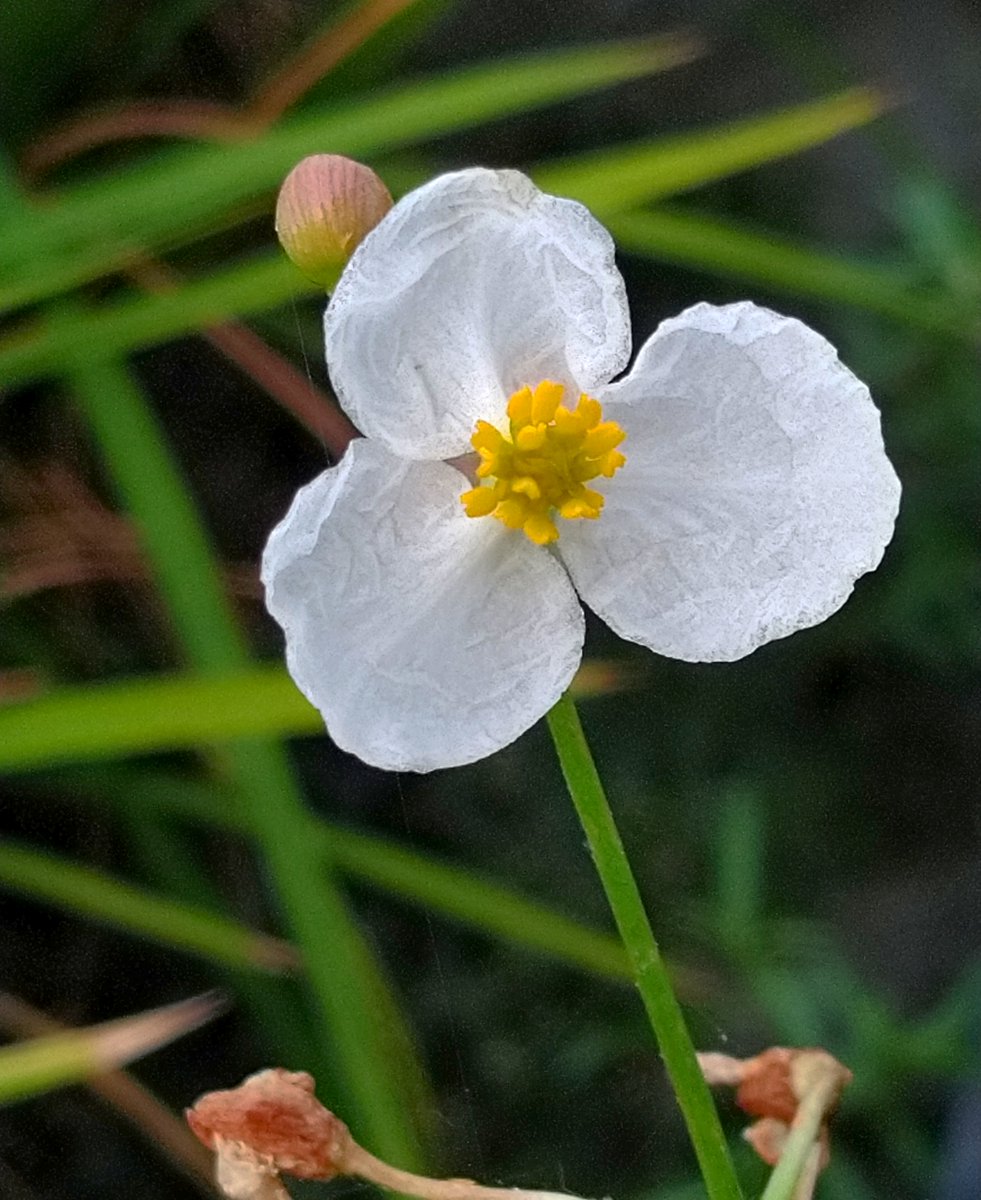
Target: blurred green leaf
(80, 889)
(723, 247)
(942, 233)
(174, 195)
(739, 874)
(50, 346)
(451, 891)
(378, 58)
(62, 1058)
(344, 978)
(615, 180)
(474, 901)
(104, 720)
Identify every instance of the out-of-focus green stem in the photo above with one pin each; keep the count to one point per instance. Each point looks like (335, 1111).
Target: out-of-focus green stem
(350, 991)
(650, 973)
(801, 1142)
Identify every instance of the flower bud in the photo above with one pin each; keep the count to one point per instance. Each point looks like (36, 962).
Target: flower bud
(326, 205)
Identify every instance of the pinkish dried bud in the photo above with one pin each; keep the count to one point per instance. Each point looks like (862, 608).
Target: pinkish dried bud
(274, 1120)
(773, 1086)
(326, 206)
(768, 1136)
(765, 1089)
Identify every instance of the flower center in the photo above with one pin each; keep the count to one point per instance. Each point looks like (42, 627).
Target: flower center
(541, 466)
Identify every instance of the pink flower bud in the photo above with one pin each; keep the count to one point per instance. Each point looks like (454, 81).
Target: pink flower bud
(326, 206)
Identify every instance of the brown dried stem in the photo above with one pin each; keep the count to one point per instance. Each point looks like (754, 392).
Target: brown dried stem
(317, 411)
(205, 120)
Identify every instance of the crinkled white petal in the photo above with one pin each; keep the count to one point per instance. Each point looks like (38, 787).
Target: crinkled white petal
(426, 638)
(472, 287)
(756, 488)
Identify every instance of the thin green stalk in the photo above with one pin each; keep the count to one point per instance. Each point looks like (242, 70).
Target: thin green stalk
(344, 978)
(650, 972)
(801, 1141)
(82, 889)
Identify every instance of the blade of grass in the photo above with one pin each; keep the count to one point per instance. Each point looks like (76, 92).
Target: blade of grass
(80, 889)
(106, 720)
(175, 196)
(345, 979)
(725, 248)
(50, 347)
(164, 1131)
(61, 1058)
(110, 719)
(619, 179)
(163, 852)
(459, 894)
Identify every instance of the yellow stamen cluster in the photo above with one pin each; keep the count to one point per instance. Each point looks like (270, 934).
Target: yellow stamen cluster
(541, 466)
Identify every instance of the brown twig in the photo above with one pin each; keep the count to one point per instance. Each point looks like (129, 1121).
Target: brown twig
(319, 58)
(206, 120)
(313, 408)
(200, 120)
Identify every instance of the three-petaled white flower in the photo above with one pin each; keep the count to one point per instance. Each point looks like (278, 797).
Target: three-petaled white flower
(750, 491)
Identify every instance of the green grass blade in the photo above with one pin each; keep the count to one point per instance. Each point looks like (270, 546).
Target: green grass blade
(80, 889)
(471, 900)
(49, 347)
(611, 181)
(344, 978)
(111, 719)
(174, 196)
(725, 248)
(148, 714)
(62, 1058)
(479, 903)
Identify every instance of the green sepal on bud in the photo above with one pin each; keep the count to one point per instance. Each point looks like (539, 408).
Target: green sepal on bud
(326, 206)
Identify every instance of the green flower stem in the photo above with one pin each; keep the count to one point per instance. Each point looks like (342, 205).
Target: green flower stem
(794, 1164)
(650, 972)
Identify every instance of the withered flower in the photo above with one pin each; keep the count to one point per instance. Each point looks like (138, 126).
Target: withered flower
(781, 1087)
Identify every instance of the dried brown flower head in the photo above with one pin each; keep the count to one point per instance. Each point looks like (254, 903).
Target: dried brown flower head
(773, 1086)
(277, 1117)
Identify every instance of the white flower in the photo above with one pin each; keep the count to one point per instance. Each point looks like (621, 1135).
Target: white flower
(755, 489)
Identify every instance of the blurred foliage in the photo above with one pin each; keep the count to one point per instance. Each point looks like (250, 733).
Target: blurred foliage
(804, 823)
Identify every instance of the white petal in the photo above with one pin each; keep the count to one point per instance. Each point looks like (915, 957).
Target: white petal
(470, 288)
(426, 638)
(756, 488)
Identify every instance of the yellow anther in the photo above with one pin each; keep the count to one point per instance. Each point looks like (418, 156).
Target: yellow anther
(541, 529)
(532, 437)
(601, 438)
(545, 400)
(487, 437)
(519, 407)
(568, 424)
(577, 507)
(479, 502)
(590, 410)
(526, 486)
(611, 463)
(539, 467)
(513, 512)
